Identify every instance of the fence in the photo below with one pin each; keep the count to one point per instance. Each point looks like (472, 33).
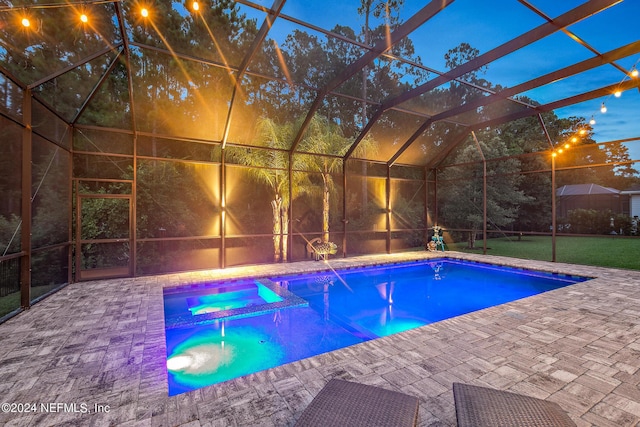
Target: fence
(9, 276)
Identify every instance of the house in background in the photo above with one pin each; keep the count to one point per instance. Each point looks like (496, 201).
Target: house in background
(591, 196)
(632, 194)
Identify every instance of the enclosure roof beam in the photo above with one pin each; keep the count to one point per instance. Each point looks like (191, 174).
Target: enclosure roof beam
(621, 52)
(571, 70)
(570, 33)
(204, 61)
(410, 141)
(437, 160)
(253, 49)
(72, 66)
(184, 56)
(98, 85)
(601, 59)
(576, 99)
(586, 96)
(361, 45)
(545, 131)
(571, 17)
(577, 14)
(13, 78)
(382, 46)
(275, 79)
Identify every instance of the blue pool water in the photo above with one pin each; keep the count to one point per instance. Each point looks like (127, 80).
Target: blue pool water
(220, 331)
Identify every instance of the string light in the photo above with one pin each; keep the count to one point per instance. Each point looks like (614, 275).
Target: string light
(633, 73)
(195, 5)
(582, 132)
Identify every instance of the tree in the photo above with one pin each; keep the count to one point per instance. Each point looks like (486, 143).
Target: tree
(525, 138)
(323, 136)
(461, 190)
(624, 174)
(270, 167)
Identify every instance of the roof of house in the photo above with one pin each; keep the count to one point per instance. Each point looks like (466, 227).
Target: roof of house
(585, 190)
(634, 189)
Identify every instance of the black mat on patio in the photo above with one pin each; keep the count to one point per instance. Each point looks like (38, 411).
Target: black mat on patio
(346, 404)
(487, 407)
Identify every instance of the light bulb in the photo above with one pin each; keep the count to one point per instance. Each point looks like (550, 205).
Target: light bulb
(567, 146)
(592, 121)
(84, 18)
(574, 140)
(582, 132)
(25, 22)
(603, 108)
(196, 6)
(634, 72)
(144, 12)
(617, 94)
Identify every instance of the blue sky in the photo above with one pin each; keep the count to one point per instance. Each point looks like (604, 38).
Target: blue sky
(488, 24)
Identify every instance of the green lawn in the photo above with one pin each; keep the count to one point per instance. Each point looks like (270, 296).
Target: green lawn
(9, 303)
(605, 251)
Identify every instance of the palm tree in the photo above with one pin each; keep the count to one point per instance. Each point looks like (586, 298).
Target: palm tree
(325, 136)
(270, 167)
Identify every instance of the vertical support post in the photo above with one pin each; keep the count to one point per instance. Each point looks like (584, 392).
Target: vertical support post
(223, 210)
(435, 196)
(288, 223)
(553, 207)
(133, 238)
(344, 208)
(388, 208)
(25, 235)
(484, 194)
(133, 211)
(553, 189)
(70, 219)
(426, 205)
(70, 212)
(78, 256)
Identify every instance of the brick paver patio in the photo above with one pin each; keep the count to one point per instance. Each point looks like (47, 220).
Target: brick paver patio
(99, 348)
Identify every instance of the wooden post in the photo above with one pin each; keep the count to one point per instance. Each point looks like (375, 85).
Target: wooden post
(25, 235)
(484, 194)
(388, 208)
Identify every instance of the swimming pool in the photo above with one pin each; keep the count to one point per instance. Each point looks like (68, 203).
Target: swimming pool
(219, 331)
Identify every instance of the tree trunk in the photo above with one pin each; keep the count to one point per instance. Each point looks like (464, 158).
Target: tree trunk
(325, 210)
(285, 232)
(276, 207)
(472, 239)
